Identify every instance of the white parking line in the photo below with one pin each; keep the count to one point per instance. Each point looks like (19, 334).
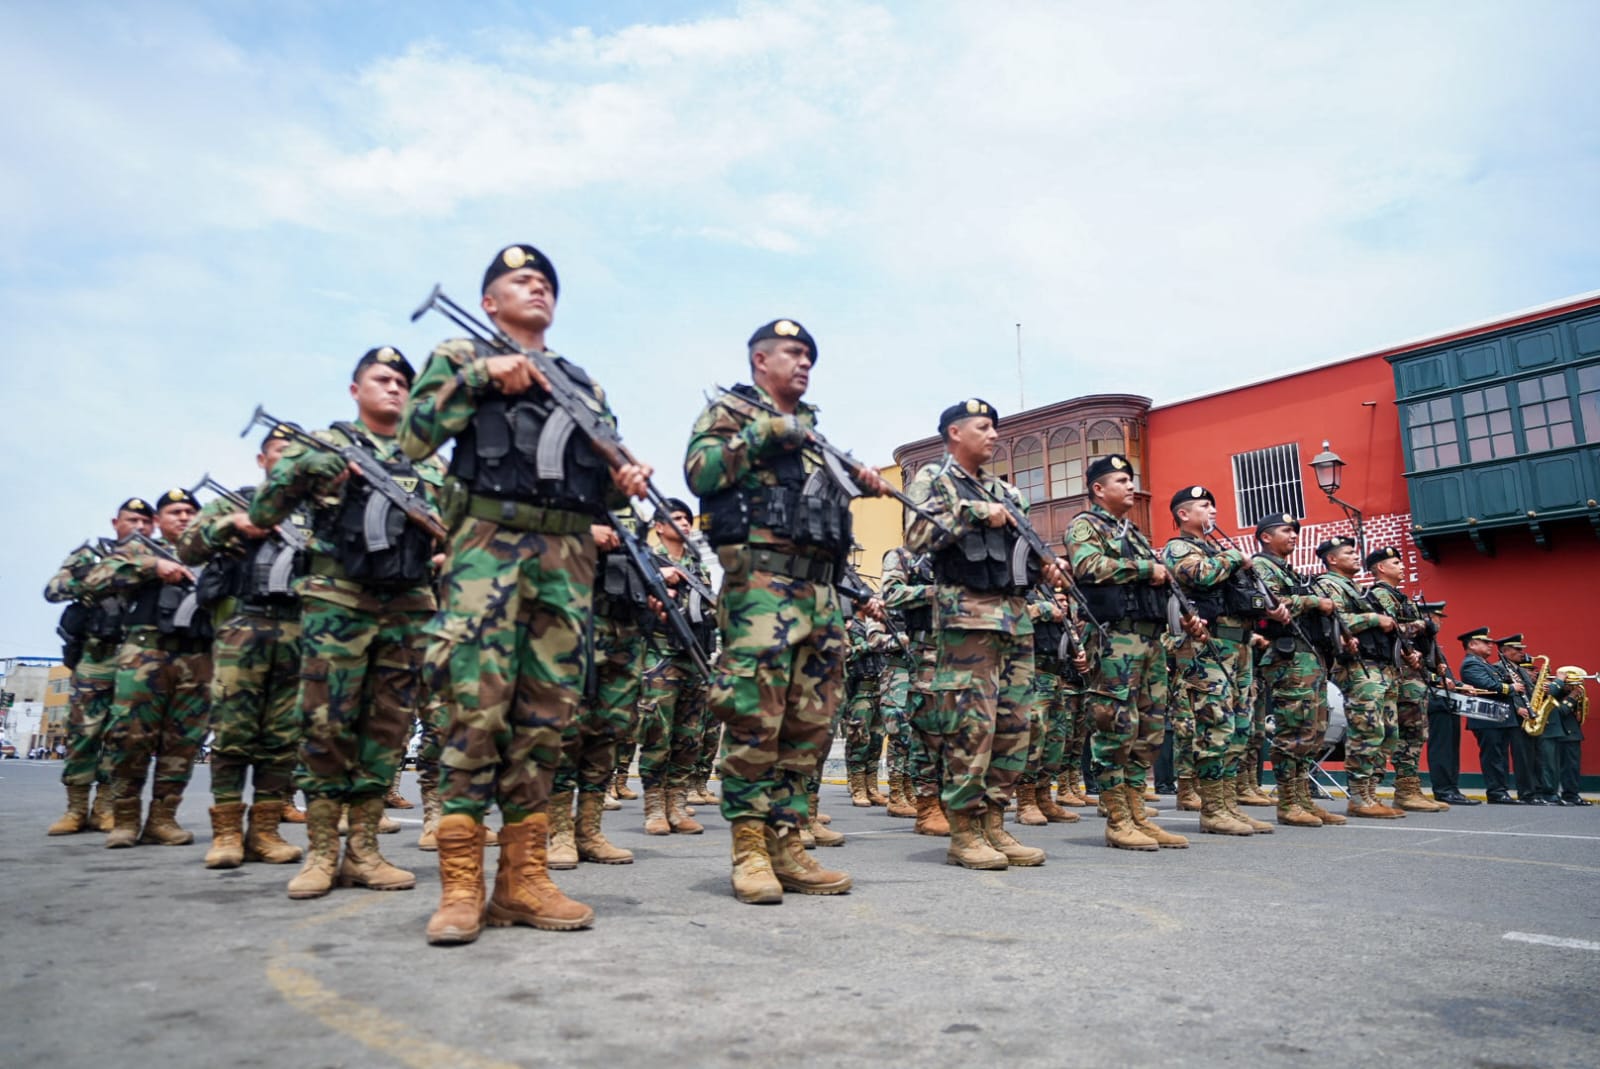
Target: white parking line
(1550, 941)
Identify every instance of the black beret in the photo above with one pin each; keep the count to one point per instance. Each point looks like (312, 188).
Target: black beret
(1191, 493)
(388, 356)
(137, 504)
(1277, 519)
(515, 258)
(1105, 466)
(1383, 554)
(280, 432)
(1477, 632)
(968, 409)
(1511, 640)
(784, 328)
(176, 496)
(1336, 542)
(674, 504)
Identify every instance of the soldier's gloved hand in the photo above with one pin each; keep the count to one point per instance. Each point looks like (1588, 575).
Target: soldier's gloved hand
(774, 432)
(322, 466)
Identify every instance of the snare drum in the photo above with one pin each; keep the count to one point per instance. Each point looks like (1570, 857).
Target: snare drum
(1338, 724)
(1484, 710)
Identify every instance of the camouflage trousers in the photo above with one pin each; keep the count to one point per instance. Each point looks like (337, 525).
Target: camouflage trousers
(924, 759)
(255, 711)
(1078, 728)
(1127, 701)
(90, 702)
(671, 722)
(894, 693)
(977, 716)
(1218, 707)
(1295, 691)
(433, 720)
(1047, 729)
(508, 641)
(360, 674)
(864, 729)
(777, 687)
(1369, 709)
(1411, 722)
(160, 711)
(710, 751)
(590, 742)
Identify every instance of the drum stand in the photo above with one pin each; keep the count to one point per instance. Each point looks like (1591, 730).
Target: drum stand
(1322, 782)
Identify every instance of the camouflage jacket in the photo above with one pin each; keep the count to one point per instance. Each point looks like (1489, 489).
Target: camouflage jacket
(1348, 601)
(937, 488)
(901, 589)
(1097, 556)
(123, 572)
(67, 583)
(1281, 578)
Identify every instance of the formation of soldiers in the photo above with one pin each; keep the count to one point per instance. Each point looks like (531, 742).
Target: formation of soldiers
(509, 599)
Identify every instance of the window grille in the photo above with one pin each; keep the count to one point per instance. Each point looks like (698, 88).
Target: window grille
(1267, 481)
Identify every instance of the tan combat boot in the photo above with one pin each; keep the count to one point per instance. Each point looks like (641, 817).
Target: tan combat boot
(124, 824)
(655, 811)
(1247, 787)
(76, 818)
(1150, 794)
(678, 817)
(161, 823)
(620, 786)
(316, 876)
(387, 825)
(432, 810)
(1066, 795)
(697, 793)
(227, 836)
(100, 815)
(1080, 789)
(489, 837)
(1165, 839)
(363, 865)
(459, 917)
(1015, 852)
(593, 846)
(753, 880)
(262, 841)
(869, 780)
(1408, 796)
(969, 847)
(394, 799)
(1230, 798)
(1302, 792)
(1028, 811)
(523, 891)
(820, 833)
(1359, 805)
(901, 803)
(562, 852)
(293, 814)
(1377, 800)
(1215, 819)
(1189, 799)
(930, 816)
(1047, 805)
(796, 871)
(1121, 831)
(608, 801)
(1291, 810)
(858, 790)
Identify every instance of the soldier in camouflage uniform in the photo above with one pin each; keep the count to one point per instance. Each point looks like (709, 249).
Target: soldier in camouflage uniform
(1070, 787)
(1411, 705)
(163, 675)
(1127, 692)
(983, 686)
(1365, 675)
(782, 534)
(255, 679)
(673, 705)
(894, 691)
(518, 587)
(93, 631)
(1047, 723)
(362, 614)
(908, 589)
(870, 644)
(1216, 674)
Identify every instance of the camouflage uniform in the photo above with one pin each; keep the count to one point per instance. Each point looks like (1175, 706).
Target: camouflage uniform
(1411, 702)
(517, 591)
(671, 728)
(1076, 728)
(870, 642)
(1293, 681)
(1370, 685)
(908, 591)
(361, 646)
(592, 739)
(1127, 696)
(94, 677)
(983, 683)
(781, 674)
(256, 669)
(1047, 723)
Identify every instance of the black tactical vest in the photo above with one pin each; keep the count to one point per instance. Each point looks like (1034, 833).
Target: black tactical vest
(171, 608)
(372, 540)
(1234, 596)
(619, 592)
(1138, 601)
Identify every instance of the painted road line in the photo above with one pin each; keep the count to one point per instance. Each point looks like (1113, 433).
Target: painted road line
(1550, 941)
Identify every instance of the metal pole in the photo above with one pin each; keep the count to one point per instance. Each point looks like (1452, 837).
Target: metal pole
(1021, 400)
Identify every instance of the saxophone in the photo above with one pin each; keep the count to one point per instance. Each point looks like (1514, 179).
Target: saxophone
(1540, 703)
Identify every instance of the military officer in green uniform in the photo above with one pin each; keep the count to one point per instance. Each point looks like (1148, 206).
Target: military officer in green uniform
(909, 587)
(1388, 568)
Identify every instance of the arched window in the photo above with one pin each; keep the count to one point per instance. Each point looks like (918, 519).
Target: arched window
(999, 464)
(1028, 464)
(1066, 464)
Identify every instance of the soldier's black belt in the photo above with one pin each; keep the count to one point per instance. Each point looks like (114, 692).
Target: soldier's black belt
(520, 516)
(281, 609)
(150, 639)
(793, 565)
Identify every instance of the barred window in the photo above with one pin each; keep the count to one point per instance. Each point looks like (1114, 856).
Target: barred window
(1546, 412)
(1267, 481)
(1431, 426)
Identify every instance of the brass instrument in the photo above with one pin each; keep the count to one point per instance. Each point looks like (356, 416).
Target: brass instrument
(1540, 703)
(1573, 676)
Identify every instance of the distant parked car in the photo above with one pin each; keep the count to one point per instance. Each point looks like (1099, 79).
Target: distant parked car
(8, 751)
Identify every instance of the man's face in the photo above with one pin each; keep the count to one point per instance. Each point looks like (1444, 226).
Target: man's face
(380, 391)
(521, 298)
(271, 452)
(1513, 654)
(1480, 646)
(174, 519)
(679, 527)
(1114, 492)
(1280, 541)
(784, 367)
(1390, 571)
(1346, 560)
(975, 438)
(127, 521)
(1202, 513)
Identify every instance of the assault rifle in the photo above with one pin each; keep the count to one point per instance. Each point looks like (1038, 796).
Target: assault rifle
(388, 493)
(1266, 592)
(1180, 601)
(644, 563)
(1343, 636)
(572, 410)
(291, 535)
(841, 465)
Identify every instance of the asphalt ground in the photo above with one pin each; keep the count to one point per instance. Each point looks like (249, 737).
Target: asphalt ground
(1470, 938)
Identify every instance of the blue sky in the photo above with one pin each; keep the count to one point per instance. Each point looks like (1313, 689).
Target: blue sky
(210, 206)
